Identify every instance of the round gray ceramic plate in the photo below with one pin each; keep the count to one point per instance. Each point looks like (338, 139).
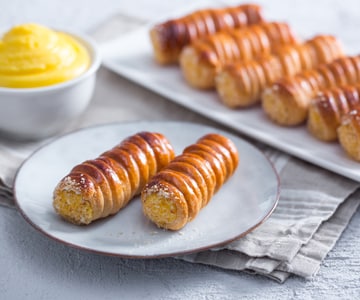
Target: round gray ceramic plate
(243, 203)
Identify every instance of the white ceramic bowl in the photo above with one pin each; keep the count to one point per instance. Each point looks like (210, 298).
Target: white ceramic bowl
(37, 113)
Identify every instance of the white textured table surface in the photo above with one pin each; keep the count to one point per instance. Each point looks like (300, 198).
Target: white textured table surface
(34, 267)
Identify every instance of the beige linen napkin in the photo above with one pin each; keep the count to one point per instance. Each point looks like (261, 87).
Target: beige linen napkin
(314, 208)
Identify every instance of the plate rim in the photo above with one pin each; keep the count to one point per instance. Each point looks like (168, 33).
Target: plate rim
(139, 256)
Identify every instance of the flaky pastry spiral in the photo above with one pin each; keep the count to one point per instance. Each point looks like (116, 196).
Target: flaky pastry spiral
(100, 187)
(170, 37)
(203, 59)
(328, 108)
(287, 101)
(176, 194)
(240, 84)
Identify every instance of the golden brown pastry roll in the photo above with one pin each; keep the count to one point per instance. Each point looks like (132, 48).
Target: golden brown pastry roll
(327, 109)
(349, 133)
(287, 100)
(240, 84)
(170, 37)
(102, 186)
(176, 194)
(201, 61)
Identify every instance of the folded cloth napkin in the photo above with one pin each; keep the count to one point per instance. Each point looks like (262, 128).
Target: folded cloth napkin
(315, 205)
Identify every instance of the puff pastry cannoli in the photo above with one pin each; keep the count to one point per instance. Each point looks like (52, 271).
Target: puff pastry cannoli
(204, 58)
(100, 187)
(328, 108)
(240, 84)
(170, 37)
(175, 195)
(287, 101)
(349, 134)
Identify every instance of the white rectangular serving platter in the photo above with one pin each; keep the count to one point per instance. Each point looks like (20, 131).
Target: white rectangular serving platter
(131, 56)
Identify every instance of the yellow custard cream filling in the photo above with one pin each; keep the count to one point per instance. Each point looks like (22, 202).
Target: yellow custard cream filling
(32, 55)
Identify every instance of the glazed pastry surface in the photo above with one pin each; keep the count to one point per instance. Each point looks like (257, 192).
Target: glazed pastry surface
(287, 101)
(170, 37)
(328, 108)
(240, 84)
(100, 187)
(202, 60)
(176, 194)
(349, 134)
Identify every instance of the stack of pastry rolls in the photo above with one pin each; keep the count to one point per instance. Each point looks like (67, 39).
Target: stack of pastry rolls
(241, 84)
(265, 63)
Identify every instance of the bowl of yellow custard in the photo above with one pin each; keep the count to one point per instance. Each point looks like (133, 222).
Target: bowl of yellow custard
(47, 80)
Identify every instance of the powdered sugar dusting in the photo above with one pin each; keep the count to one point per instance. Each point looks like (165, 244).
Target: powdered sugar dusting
(70, 184)
(161, 190)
